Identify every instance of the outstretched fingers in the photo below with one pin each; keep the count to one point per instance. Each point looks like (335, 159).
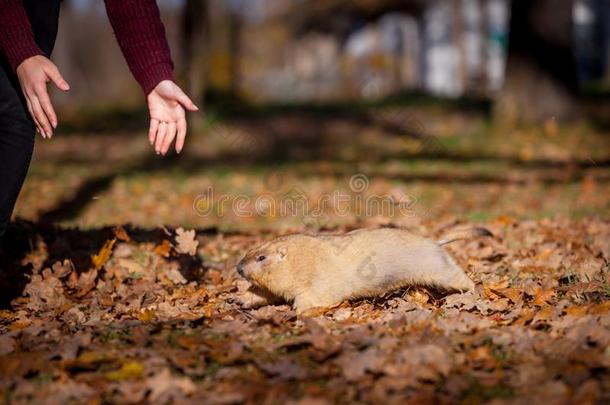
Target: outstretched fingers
(36, 123)
(53, 73)
(160, 137)
(152, 131)
(181, 134)
(185, 101)
(169, 137)
(40, 117)
(47, 107)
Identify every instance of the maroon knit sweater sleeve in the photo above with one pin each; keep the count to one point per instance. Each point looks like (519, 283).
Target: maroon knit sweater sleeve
(16, 37)
(141, 36)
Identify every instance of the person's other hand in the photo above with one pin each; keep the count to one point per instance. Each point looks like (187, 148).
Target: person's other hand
(33, 74)
(166, 103)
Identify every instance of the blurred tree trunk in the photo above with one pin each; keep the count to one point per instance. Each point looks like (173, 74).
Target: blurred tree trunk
(541, 74)
(235, 32)
(195, 48)
(482, 85)
(457, 29)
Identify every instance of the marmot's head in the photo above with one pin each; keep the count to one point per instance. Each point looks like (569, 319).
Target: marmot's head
(275, 265)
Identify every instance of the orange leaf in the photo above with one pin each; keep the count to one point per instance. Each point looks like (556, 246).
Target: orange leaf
(488, 293)
(104, 254)
(544, 314)
(601, 309)
(513, 294)
(215, 276)
(163, 249)
(577, 310)
(505, 220)
(544, 297)
(121, 234)
(545, 254)
(480, 353)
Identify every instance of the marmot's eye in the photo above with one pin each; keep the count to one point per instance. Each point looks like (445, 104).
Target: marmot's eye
(261, 258)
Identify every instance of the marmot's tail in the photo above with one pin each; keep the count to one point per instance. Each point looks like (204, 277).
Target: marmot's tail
(464, 234)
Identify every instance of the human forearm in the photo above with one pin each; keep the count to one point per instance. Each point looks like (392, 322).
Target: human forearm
(141, 36)
(16, 37)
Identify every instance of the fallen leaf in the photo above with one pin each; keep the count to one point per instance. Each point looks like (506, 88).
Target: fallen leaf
(104, 254)
(146, 315)
(164, 248)
(62, 269)
(166, 388)
(121, 234)
(186, 242)
(128, 371)
(544, 297)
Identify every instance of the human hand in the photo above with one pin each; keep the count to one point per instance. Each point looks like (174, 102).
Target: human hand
(33, 74)
(166, 103)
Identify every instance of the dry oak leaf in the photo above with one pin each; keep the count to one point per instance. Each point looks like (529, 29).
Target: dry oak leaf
(62, 269)
(174, 275)
(186, 242)
(86, 282)
(121, 234)
(164, 387)
(104, 254)
(513, 294)
(544, 297)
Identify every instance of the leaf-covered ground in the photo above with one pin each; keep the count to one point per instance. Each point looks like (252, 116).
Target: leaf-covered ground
(101, 311)
(133, 328)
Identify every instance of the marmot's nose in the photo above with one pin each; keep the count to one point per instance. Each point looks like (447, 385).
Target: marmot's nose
(240, 268)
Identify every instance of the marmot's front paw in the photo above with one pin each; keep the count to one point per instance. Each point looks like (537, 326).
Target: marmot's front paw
(249, 297)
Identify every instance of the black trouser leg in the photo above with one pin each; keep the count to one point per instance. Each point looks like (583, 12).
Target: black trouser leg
(17, 129)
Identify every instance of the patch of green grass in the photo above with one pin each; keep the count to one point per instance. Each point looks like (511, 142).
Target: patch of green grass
(477, 393)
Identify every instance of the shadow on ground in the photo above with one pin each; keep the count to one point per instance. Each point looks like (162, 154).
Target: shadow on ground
(76, 245)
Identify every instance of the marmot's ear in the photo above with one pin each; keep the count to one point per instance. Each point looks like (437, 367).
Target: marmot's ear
(282, 252)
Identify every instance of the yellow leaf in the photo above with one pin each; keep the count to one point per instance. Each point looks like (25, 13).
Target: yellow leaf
(104, 254)
(209, 310)
(419, 296)
(129, 370)
(146, 315)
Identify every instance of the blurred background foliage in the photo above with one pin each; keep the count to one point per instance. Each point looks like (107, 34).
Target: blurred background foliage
(475, 108)
(284, 51)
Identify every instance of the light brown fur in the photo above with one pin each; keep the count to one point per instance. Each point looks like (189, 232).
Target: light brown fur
(319, 271)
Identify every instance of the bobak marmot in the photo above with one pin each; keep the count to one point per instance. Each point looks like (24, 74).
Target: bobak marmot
(322, 270)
